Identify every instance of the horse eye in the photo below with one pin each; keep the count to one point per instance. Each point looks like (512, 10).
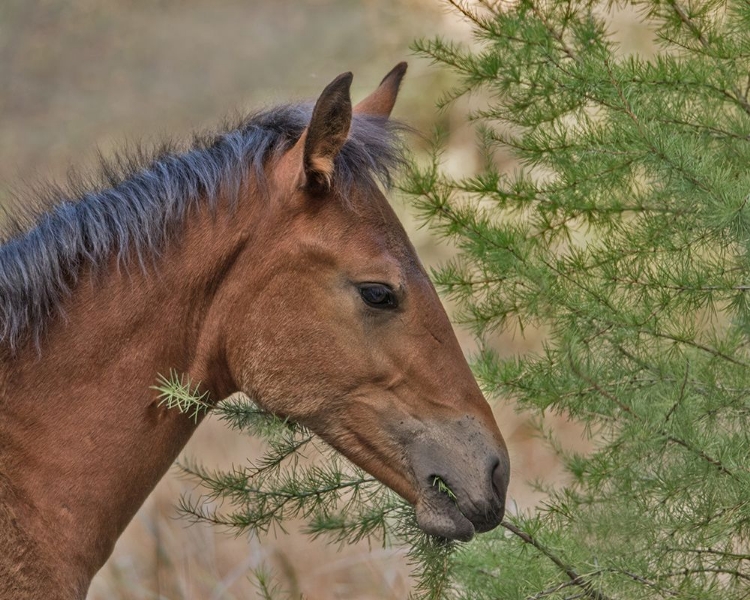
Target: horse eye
(377, 295)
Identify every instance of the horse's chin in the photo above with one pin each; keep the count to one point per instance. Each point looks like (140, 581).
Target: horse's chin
(438, 515)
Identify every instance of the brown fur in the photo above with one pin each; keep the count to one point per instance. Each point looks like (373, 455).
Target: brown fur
(262, 300)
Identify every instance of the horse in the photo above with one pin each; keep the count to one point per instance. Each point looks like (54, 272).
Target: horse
(263, 259)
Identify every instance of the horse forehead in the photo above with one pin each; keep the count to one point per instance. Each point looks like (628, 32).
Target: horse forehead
(386, 232)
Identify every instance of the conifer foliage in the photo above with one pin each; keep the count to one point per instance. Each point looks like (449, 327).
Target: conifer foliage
(623, 232)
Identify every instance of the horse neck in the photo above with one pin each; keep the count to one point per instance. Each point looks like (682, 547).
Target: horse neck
(83, 438)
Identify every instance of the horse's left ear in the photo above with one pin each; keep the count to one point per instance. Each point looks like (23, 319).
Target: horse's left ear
(326, 134)
(380, 102)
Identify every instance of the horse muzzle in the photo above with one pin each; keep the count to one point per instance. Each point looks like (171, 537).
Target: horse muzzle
(474, 467)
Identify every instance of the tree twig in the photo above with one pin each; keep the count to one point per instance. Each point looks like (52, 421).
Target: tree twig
(576, 579)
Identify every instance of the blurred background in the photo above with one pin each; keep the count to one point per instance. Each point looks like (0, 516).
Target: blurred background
(83, 76)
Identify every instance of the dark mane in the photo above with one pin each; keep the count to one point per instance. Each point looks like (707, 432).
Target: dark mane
(140, 201)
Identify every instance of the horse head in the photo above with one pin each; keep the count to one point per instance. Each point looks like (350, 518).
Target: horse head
(342, 330)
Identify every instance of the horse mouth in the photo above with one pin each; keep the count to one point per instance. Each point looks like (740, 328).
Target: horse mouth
(460, 479)
(438, 514)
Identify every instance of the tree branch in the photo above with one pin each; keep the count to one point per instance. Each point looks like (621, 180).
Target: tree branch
(575, 578)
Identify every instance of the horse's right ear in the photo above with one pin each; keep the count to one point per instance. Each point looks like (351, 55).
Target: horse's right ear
(380, 102)
(325, 135)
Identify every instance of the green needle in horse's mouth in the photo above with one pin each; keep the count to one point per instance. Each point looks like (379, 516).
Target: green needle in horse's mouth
(442, 487)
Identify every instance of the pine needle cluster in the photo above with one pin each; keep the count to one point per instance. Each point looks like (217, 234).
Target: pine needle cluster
(299, 477)
(623, 231)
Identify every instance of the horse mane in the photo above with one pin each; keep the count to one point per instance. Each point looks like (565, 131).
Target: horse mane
(139, 200)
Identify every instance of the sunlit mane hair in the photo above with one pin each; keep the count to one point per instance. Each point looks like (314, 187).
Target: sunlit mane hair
(139, 200)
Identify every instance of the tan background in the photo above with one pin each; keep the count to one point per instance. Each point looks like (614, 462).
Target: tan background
(82, 75)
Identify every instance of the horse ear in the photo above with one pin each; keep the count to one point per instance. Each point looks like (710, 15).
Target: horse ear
(380, 102)
(327, 132)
